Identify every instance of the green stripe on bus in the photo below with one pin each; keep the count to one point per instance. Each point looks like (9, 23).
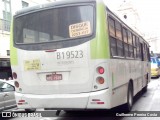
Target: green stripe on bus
(100, 45)
(13, 51)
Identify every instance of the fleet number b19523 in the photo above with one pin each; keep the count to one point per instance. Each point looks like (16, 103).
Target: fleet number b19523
(70, 54)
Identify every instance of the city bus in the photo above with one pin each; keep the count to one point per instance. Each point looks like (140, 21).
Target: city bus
(76, 55)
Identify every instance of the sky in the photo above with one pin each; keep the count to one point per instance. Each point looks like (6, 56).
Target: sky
(149, 14)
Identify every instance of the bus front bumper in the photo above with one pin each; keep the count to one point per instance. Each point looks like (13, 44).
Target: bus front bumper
(92, 100)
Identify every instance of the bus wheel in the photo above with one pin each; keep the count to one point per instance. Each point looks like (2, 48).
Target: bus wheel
(30, 110)
(128, 105)
(145, 89)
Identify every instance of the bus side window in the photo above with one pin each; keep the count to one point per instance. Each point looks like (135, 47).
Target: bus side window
(141, 51)
(148, 53)
(146, 59)
(138, 48)
(134, 45)
(118, 30)
(130, 42)
(120, 49)
(112, 34)
(113, 46)
(125, 35)
(111, 27)
(126, 51)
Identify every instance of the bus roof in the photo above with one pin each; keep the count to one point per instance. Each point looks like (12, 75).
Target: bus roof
(50, 5)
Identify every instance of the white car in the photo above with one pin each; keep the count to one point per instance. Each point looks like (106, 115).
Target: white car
(7, 97)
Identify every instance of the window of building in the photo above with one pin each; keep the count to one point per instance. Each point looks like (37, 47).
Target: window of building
(6, 10)
(7, 15)
(8, 52)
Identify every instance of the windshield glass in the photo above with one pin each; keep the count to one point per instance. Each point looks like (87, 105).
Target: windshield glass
(54, 25)
(1, 84)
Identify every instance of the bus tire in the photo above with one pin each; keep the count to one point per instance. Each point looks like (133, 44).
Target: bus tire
(30, 110)
(128, 105)
(145, 89)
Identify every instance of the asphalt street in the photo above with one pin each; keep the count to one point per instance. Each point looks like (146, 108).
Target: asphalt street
(144, 102)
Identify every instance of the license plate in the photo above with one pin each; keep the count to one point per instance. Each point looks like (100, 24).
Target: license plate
(52, 77)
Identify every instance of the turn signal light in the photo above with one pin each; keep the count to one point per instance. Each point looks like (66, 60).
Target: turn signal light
(100, 70)
(14, 75)
(100, 80)
(21, 100)
(16, 84)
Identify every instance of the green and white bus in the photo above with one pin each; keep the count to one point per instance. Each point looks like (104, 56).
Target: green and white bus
(76, 55)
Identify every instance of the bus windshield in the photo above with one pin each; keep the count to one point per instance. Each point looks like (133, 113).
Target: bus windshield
(57, 24)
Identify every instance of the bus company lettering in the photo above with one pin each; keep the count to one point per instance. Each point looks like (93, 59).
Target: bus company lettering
(65, 62)
(80, 29)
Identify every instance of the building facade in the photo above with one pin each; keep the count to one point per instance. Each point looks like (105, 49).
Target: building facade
(7, 10)
(128, 11)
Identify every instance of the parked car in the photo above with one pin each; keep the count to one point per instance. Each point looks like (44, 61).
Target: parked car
(155, 67)
(7, 97)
